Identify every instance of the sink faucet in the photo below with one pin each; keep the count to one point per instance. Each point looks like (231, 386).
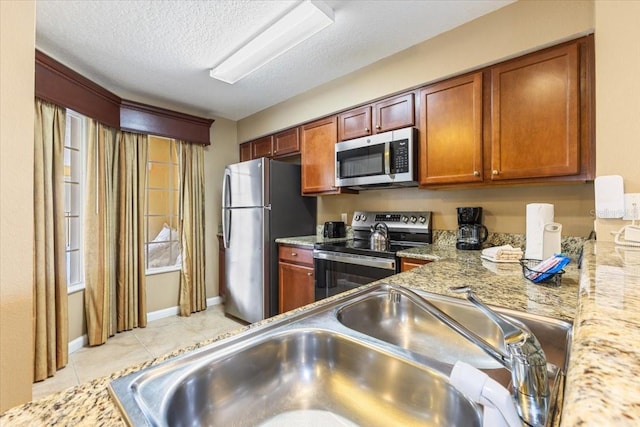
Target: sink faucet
(524, 357)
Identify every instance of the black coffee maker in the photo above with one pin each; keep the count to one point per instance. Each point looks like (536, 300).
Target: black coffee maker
(471, 232)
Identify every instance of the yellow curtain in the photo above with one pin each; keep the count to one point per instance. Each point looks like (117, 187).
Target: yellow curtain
(192, 296)
(100, 234)
(51, 334)
(131, 303)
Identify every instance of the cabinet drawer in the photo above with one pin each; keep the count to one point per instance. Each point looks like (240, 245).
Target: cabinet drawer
(296, 255)
(407, 264)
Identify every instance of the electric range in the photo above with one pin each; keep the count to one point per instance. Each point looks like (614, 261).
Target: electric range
(343, 265)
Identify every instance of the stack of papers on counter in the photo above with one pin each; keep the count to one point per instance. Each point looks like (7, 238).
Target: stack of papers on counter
(504, 253)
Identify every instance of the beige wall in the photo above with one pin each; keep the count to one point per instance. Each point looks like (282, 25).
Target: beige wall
(617, 97)
(17, 42)
(222, 151)
(518, 28)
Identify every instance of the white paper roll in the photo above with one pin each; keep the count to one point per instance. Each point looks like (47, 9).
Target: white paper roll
(551, 240)
(538, 214)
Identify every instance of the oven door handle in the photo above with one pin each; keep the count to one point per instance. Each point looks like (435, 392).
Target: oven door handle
(368, 261)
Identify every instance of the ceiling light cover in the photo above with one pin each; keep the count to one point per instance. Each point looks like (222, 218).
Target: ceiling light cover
(297, 25)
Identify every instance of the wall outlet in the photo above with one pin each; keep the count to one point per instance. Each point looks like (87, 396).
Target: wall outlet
(344, 217)
(631, 206)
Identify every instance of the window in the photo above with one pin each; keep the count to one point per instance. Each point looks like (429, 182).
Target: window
(74, 145)
(162, 244)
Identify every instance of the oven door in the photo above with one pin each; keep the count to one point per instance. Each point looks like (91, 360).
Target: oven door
(337, 272)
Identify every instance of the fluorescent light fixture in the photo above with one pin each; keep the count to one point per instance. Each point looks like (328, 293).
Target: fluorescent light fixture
(298, 24)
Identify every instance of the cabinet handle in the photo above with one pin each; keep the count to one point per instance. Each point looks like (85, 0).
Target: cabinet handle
(366, 130)
(476, 173)
(495, 172)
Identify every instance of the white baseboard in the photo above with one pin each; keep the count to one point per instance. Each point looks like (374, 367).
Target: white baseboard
(82, 341)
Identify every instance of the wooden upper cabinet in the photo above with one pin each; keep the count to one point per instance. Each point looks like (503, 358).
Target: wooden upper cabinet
(394, 113)
(354, 123)
(246, 150)
(535, 120)
(317, 156)
(262, 147)
(286, 142)
(451, 131)
(391, 113)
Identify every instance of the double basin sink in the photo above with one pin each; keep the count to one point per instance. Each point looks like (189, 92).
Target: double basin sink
(364, 359)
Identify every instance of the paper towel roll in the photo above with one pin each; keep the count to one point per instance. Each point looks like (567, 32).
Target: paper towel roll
(551, 240)
(538, 214)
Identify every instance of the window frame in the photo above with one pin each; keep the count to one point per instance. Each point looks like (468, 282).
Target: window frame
(172, 203)
(79, 199)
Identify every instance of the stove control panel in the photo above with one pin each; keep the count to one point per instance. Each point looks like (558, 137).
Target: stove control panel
(411, 221)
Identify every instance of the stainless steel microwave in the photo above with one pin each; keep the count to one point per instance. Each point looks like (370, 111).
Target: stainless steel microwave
(386, 159)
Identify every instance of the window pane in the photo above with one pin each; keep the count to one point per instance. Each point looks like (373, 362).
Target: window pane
(174, 177)
(74, 233)
(74, 194)
(74, 272)
(158, 202)
(75, 132)
(159, 149)
(159, 175)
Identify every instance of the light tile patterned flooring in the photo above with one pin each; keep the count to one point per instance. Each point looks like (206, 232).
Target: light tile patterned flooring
(139, 345)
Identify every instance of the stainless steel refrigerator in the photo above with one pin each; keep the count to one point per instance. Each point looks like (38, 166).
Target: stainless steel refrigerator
(261, 201)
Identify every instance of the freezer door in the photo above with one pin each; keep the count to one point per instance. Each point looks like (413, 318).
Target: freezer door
(243, 184)
(247, 267)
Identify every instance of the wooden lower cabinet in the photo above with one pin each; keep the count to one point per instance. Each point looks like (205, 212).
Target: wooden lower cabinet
(407, 264)
(296, 283)
(221, 268)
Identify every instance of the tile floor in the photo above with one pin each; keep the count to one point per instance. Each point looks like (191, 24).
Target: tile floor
(133, 347)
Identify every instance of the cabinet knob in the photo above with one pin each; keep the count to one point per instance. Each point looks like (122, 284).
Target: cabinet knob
(309, 274)
(294, 254)
(476, 173)
(495, 172)
(378, 127)
(367, 130)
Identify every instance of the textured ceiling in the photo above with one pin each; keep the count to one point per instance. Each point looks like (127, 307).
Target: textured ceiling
(160, 52)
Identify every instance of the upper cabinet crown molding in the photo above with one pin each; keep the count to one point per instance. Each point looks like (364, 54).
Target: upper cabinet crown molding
(59, 84)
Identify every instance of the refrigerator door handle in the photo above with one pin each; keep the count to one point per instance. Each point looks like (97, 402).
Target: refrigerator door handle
(226, 212)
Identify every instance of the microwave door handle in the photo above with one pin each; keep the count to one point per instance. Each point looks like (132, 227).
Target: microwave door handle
(387, 158)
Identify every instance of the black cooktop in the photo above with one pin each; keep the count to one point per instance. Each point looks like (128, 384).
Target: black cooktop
(361, 247)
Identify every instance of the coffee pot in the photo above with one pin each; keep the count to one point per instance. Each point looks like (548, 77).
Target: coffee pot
(471, 232)
(379, 239)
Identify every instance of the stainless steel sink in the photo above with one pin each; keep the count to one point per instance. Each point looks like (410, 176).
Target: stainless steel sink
(356, 360)
(402, 323)
(292, 375)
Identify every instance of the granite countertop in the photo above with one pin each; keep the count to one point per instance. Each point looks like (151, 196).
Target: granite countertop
(603, 298)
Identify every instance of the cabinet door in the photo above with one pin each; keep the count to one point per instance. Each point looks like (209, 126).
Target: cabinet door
(451, 131)
(262, 147)
(535, 115)
(394, 113)
(286, 142)
(318, 140)
(296, 285)
(246, 150)
(354, 123)
(407, 264)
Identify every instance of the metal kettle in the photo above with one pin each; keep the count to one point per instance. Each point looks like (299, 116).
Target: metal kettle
(379, 239)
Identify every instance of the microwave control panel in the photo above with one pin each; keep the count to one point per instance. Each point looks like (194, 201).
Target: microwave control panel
(400, 156)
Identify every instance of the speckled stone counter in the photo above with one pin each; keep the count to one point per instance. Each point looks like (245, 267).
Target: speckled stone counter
(603, 297)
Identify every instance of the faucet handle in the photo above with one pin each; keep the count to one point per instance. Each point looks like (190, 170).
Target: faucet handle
(512, 332)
